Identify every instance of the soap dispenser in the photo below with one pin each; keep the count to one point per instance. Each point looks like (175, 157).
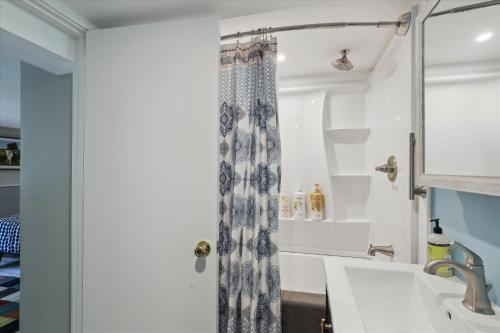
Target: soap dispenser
(439, 247)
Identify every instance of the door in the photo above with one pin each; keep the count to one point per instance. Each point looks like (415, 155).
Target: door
(151, 177)
(46, 108)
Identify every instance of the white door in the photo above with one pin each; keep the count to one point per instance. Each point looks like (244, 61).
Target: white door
(151, 177)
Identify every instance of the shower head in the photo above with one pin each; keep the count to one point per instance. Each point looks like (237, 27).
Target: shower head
(343, 64)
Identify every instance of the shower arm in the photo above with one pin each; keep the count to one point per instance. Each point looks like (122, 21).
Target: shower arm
(402, 25)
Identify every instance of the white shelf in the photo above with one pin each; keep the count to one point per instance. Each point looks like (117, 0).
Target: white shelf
(353, 221)
(289, 219)
(351, 175)
(349, 135)
(348, 130)
(325, 221)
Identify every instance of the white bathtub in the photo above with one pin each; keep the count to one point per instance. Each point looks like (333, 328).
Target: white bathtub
(325, 238)
(304, 272)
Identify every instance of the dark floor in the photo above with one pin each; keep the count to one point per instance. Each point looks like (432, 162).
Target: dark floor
(302, 312)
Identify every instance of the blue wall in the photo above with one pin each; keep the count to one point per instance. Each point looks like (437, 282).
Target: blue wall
(474, 221)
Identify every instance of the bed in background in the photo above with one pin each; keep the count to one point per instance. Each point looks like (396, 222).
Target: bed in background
(9, 235)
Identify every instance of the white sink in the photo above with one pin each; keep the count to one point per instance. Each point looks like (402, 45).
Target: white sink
(381, 297)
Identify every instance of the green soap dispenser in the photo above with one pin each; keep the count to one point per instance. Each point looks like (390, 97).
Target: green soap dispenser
(439, 247)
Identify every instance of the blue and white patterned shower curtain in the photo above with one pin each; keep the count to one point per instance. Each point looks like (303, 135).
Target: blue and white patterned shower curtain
(249, 185)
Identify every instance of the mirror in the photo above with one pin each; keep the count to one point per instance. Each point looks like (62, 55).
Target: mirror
(461, 90)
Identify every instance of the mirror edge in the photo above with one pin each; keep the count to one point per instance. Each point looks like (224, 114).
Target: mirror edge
(482, 185)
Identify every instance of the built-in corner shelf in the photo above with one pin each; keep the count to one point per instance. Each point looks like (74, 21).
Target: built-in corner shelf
(351, 175)
(324, 221)
(353, 221)
(353, 130)
(349, 135)
(289, 219)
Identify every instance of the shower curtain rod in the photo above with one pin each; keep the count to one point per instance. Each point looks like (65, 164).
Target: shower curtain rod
(401, 25)
(467, 8)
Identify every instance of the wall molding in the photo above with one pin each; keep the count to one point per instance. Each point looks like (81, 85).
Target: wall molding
(57, 15)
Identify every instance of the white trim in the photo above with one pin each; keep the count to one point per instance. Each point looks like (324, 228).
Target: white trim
(77, 188)
(57, 15)
(67, 22)
(17, 21)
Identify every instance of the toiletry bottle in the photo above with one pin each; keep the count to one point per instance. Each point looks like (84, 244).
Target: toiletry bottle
(439, 247)
(317, 204)
(299, 204)
(285, 205)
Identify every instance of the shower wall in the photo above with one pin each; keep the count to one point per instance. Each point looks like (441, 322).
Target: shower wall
(335, 133)
(389, 103)
(320, 145)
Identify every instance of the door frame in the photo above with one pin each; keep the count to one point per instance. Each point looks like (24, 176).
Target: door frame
(58, 16)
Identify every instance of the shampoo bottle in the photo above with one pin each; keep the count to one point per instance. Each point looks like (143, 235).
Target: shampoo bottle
(317, 204)
(439, 247)
(285, 205)
(299, 204)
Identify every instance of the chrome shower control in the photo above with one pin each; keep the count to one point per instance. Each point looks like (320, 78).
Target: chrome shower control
(390, 168)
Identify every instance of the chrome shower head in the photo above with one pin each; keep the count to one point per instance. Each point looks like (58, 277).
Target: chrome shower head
(343, 64)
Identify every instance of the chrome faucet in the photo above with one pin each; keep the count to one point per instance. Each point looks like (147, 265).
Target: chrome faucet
(387, 250)
(476, 293)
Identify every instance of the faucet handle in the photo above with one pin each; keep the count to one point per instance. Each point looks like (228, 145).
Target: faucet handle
(471, 259)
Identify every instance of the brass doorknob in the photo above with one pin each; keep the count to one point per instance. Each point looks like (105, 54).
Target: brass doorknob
(202, 249)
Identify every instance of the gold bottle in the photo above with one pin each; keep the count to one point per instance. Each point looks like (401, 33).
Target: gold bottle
(317, 204)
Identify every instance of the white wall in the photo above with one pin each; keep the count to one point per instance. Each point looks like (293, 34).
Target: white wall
(312, 152)
(10, 90)
(303, 153)
(362, 126)
(46, 108)
(389, 104)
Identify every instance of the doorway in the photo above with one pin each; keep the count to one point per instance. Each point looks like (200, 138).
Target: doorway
(35, 187)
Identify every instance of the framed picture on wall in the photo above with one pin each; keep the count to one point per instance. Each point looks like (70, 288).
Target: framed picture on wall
(10, 153)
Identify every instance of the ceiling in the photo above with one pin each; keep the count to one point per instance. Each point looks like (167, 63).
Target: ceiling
(114, 13)
(307, 52)
(310, 52)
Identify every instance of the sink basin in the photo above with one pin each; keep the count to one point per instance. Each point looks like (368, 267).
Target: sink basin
(381, 297)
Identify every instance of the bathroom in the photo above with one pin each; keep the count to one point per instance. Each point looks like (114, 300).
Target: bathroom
(336, 127)
(254, 166)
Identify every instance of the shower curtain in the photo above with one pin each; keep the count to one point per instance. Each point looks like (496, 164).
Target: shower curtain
(249, 185)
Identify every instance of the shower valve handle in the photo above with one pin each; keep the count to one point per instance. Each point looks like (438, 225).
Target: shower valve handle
(390, 168)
